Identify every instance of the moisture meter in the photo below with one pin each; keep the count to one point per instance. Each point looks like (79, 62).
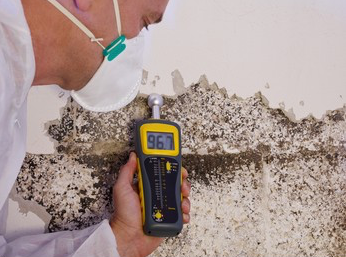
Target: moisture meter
(158, 147)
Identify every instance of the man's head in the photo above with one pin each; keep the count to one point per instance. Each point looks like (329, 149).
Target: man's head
(76, 59)
(135, 15)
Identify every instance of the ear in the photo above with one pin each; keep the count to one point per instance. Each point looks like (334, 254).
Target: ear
(83, 5)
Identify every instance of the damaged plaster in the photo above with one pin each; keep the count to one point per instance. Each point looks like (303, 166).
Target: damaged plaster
(26, 206)
(25, 217)
(263, 184)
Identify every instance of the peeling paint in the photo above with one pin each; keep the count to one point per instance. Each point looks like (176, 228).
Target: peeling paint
(26, 206)
(32, 206)
(178, 83)
(263, 184)
(153, 82)
(145, 74)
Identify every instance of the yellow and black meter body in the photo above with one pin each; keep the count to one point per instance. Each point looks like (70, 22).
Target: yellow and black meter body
(158, 147)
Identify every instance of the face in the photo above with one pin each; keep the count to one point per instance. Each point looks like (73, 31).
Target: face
(137, 14)
(98, 16)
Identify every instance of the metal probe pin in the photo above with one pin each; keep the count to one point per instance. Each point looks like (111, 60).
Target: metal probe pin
(155, 101)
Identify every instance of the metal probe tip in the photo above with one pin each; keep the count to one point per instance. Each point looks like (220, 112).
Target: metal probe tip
(155, 101)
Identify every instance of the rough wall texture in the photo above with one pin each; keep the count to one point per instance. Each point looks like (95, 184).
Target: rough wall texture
(262, 185)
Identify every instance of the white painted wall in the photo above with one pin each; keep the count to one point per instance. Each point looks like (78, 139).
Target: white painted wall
(294, 51)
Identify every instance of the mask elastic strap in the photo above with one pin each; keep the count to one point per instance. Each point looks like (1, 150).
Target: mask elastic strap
(117, 46)
(117, 15)
(82, 26)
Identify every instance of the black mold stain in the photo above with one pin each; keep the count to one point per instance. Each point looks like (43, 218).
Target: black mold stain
(63, 129)
(242, 139)
(206, 168)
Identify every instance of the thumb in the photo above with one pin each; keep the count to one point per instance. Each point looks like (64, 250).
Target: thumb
(128, 170)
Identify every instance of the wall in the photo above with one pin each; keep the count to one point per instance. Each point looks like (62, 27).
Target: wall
(292, 51)
(268, 181)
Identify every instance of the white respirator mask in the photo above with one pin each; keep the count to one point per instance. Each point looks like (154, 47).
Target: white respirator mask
(116, 82)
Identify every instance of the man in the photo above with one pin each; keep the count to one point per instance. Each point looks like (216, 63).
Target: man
(39, 45)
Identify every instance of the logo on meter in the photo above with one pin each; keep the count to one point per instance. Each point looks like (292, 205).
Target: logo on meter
(157, 215)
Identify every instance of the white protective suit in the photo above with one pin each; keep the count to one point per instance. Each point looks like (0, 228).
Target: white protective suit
(17, 69)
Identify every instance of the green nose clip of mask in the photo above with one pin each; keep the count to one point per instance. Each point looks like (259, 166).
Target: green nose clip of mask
(115, 48)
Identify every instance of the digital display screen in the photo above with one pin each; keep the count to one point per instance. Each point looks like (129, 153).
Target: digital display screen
(160, 141)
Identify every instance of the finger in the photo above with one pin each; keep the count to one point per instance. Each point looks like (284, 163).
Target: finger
(128, 170)
(184, 173)
(186, 205)
(185, 188)
(186, 218)
(135, 187)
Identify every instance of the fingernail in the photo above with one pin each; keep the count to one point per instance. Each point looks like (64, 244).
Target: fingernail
(132, 155)
(186, 218)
